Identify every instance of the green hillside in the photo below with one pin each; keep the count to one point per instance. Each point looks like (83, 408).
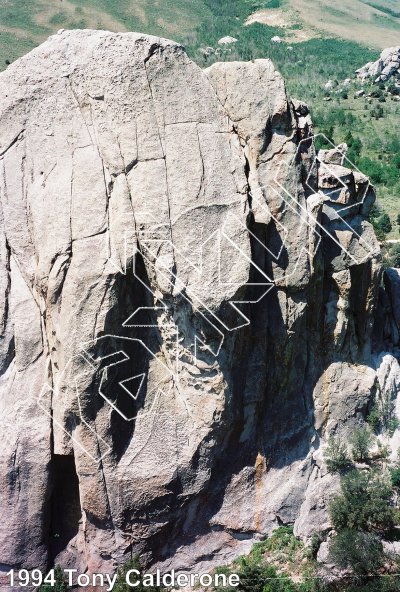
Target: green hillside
(25, 24)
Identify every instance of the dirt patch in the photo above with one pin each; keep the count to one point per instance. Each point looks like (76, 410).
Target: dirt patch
(272, 18)
(285, 20)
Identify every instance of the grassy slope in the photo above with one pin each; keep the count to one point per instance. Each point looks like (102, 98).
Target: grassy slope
(356, 20)
(26, 23)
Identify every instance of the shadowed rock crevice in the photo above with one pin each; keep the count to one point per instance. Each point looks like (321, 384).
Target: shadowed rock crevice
(65, 504)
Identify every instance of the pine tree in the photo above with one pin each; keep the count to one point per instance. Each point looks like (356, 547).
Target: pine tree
(349, 139)
(60, 585)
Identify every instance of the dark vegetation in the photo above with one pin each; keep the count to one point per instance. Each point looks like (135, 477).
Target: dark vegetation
(122, 586)
(362, 514)
(58, 584)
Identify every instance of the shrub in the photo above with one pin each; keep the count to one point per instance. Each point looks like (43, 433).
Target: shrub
(336, 456)
(380, 235)
(357, 146)
(314, 545)
(59, 586)
(360, 551)
(361, 439)
(394, 255)
(374, 418)
(122, 586)
(349, 139)
(384, 223)
(393, 425)
(375, 211)
(382, 99)
(377, 112)
(257, 575)
(324, 142)
(383, 451)
(382, 411)
(395, 476)
(363, 503)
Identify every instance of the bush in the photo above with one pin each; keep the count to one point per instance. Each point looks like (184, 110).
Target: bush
(393, 424)
(380, 235)
(362, 552)
(257, 575)
(60, 585)
(395, 476)
(349, 139)
(394, 255)
(374, 418)
(361, 439)
(336, 456)
(122, 586)
(324, 142)
(384, 223)
(381, 412)
(363, 503)
(377, 112)
(375, 211)
(357, 146)
(315, 545)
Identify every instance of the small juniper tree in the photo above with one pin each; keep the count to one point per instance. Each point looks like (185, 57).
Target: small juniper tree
(361, 440)
(360, 551)
(384, 223)
(336, 456)
(364, 503)
(122, 586)
(59, 585)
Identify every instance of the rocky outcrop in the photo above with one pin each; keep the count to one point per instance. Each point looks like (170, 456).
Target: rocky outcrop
(384, 68)
(187, 303)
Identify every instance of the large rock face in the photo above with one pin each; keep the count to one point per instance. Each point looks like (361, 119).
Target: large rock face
(384, 68)
(187, 301)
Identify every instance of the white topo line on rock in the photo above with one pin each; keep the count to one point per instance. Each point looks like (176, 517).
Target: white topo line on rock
(148, 251)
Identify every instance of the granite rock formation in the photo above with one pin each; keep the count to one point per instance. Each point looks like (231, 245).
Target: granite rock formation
(187, 306)
(384, 68)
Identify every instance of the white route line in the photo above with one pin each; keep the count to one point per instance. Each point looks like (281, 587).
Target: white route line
(135, 237)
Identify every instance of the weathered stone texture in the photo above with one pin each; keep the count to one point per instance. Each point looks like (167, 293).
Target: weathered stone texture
(171, 214)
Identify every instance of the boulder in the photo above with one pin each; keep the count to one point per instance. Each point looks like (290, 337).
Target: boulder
(178, 328)
(227, 40)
